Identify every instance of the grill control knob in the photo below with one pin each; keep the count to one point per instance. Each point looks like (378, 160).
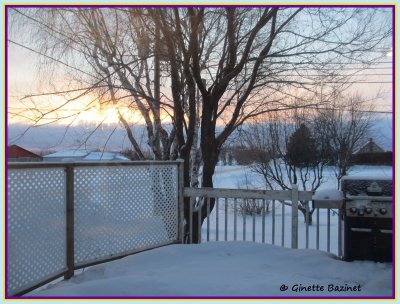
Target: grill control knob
(382, 211)
(368, 210)
(353, 209)
(361, 212)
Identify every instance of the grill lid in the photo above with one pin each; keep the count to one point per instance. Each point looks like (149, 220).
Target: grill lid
(366, 186)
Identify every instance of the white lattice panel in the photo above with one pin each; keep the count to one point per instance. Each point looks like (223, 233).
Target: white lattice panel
(36, 226)
(123, 208)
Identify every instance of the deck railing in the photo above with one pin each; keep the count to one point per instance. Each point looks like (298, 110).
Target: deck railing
(65, 216)
(266, 216)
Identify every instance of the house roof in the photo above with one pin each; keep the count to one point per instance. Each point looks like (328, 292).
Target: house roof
(15, 151)
(370, 147)
(92, 156)
(85, 155)
(68, 153)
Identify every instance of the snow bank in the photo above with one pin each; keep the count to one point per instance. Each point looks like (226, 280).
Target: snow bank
(228, 269)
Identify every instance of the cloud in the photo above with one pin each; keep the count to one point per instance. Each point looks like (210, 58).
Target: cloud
(57, 137)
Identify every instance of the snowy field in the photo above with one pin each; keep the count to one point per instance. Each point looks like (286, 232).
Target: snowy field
(234, 177)
(243, 177)
(236, 269)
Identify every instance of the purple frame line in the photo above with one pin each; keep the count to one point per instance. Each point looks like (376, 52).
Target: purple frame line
(199, 5)
(394, 151)
(393, 6)
(6, 152)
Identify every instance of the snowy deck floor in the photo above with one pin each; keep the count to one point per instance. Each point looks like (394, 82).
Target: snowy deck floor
(228, 269)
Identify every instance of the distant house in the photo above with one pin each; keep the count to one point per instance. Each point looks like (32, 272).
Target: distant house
(19, 154)
(372, 154)
(83, 155)
(370, 147)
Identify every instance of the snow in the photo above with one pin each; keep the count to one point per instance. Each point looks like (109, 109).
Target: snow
(239, 268)
(227, 269)
(68, 153)
(243, 177)
(328, 194)
(365, 177)
(84, 155)
(104, 156)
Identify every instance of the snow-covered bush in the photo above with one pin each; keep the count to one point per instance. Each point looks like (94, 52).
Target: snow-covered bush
(252, 207)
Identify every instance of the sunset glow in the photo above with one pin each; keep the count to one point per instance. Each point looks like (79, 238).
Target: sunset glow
(108, 115)
(78, 112)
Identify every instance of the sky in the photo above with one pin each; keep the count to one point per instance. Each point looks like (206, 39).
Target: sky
(24, 79)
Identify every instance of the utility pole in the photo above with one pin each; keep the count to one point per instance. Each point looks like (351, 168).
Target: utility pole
(157, 104)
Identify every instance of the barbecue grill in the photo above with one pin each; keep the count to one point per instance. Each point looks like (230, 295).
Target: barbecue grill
(368, 209)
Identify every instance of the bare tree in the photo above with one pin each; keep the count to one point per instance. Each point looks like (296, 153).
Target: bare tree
(291, 154)
(346, 125)
(243, 61)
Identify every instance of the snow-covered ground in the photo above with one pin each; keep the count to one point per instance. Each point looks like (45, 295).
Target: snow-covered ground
(237, 269)
(243, 177)
(228, 269)
(278, 232)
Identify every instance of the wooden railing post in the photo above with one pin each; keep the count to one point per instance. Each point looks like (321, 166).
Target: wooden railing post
(180, 201)
(340, 231)
(295, 216)
(70, 221)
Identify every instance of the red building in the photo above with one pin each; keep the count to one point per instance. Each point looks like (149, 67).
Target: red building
(16, 153)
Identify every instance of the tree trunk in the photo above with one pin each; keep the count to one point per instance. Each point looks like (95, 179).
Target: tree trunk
(210, 160)
(303, 208)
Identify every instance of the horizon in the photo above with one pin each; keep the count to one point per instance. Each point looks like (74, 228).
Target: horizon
(113, 137)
